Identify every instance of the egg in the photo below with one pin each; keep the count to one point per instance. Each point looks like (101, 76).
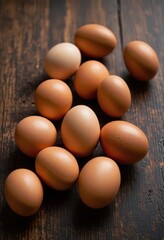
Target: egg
(99, 182)
(34, 133)
(23, 192)
(80, 130)
(62, 61)
(88, 77)
(95, 40)
(53, 98)
(141, 60)
(123, 142)
(57, 167)
(114, 96)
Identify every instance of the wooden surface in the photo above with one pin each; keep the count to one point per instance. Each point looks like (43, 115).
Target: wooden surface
(27, 30)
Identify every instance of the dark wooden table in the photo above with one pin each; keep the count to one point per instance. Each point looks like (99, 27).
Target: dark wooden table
(27, 30)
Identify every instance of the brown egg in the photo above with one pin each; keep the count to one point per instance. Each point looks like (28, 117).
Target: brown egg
(34, 133)
(124, 142)
(62, 61)
(53, 98)
(141, 60)
(99, 182)
(23, 192)
(88, 77)
(80, 130)
(95, 40)
(57, 167)
(114, 96)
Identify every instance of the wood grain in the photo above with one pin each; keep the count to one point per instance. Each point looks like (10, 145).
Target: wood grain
(27, 30)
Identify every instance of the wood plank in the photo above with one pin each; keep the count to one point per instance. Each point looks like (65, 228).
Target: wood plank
(143, 20)
(24, 39)
(28, 29)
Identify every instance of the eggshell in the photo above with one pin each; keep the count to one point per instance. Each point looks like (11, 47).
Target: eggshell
(57, 167)
(141, 60)
(34, 133)
(99, 182)
(88, 77)
(114, 96)
(23, 192)
(80, 130)
(124, 142)
(95, 40)
(53, 98)
(62, 61)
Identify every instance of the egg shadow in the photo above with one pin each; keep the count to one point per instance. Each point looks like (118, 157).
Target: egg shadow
(128, 175)
(30, 84)
(136, 86)
(85, 218)
(20, 160)
(57, 200)
(12, 224)
(87, 58)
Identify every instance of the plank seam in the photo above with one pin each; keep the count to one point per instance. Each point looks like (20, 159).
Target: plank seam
(119, 22)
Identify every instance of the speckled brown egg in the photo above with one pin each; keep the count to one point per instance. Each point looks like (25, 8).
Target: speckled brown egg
(23, 192)
(114, 96)
(99, 182)
(88, 77)
(124, 142)
(80, 130)
(34, 133)
(62, 61)
(141, 60)
(57, 167)
(53, 98)
(95, 40)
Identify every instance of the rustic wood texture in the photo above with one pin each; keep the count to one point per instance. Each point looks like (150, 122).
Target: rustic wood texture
(27, 30)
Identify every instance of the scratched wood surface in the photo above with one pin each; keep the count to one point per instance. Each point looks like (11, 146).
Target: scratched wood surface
(27, 30)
